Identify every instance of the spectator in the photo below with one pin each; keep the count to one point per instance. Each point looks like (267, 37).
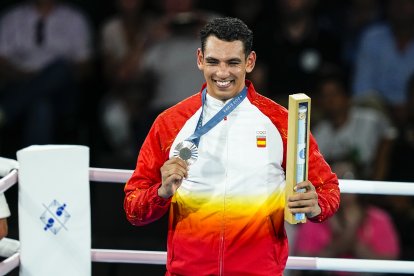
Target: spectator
(171, 59)
(403, 149)
(295, 48)
(347, 20)
(402, 207)
(359, 230)
(45, 49)
(349, 135)
(124, 41)
(252, 13)
(386, 58)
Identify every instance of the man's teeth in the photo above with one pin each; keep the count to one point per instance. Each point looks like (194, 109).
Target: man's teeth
(223, 83)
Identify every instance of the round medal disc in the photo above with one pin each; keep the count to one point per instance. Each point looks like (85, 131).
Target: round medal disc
(187, 151)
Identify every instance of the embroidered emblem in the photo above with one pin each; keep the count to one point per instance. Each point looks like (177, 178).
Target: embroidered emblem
(261, 139)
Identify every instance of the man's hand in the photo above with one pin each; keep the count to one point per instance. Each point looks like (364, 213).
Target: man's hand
(172, 174)
(306, 202)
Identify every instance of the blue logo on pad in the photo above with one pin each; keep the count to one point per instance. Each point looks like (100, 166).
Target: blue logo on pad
(55, 217)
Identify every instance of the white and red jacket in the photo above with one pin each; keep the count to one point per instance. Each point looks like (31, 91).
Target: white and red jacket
(227, 216)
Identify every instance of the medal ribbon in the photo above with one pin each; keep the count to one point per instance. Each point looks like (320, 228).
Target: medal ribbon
(226, 110)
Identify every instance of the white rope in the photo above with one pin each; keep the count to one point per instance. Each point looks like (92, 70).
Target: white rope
(8, 247)
(109, 175)
(7, 165)
(9, 264)
(346, 186)
(129, 256)
(376, 187)
(9, 180)
(363, 265)
(293, 263)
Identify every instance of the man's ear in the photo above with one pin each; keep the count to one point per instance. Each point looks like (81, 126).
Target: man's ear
(251, 62)
(200, 60)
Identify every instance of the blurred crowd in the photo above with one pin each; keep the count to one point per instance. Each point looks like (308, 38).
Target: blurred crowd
(98, 73)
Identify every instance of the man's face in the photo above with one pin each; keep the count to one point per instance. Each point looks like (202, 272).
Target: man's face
(224, 66)
(333, 99)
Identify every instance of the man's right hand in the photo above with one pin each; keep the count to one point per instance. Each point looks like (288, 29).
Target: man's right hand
(173, 172)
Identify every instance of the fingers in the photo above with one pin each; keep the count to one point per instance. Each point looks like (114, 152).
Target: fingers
(307, 185)
(173, 172)
(310, 207)
(306, 201)
(174, 167)
(299, 206)
(308, 192)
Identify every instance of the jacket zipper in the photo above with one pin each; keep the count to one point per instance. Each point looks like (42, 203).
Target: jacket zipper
(221, 253)
(223, 223)
(222, 233)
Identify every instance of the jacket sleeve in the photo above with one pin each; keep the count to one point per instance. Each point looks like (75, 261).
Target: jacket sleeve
(142, 204)
(325, 182)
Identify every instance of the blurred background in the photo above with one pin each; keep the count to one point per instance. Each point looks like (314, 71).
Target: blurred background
(97, 73)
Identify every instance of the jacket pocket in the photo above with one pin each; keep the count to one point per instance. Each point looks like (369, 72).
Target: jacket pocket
(279, 241)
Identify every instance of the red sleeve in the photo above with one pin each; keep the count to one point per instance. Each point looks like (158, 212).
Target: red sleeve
(325, 182)
(142, 204)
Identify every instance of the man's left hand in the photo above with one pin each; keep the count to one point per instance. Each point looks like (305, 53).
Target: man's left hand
(305, 202)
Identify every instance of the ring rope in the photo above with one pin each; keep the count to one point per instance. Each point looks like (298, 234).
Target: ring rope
(109, 175)
(9, 264)
(293, 263)
(346, 186)
(376, 187)
(9, 180)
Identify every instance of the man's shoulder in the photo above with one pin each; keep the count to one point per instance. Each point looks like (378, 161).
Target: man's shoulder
(185, 108)
(276, 113)
(268, 107)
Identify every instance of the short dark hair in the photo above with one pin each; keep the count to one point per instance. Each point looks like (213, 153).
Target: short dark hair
(228, 29)
(338, 77)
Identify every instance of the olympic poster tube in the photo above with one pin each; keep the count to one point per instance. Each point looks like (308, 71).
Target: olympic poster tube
(301, 151)
(297, 150)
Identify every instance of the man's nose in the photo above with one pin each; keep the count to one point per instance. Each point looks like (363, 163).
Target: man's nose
(223, 70)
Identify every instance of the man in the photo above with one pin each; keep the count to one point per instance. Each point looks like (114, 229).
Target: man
(227, 200)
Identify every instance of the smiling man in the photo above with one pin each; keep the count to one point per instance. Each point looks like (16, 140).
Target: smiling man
(217, 161)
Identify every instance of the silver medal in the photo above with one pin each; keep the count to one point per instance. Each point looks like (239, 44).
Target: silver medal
(187, 151)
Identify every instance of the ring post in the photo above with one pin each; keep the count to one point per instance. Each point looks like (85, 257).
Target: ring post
(54, 210)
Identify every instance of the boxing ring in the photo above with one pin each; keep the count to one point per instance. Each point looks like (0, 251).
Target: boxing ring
(293, 263)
